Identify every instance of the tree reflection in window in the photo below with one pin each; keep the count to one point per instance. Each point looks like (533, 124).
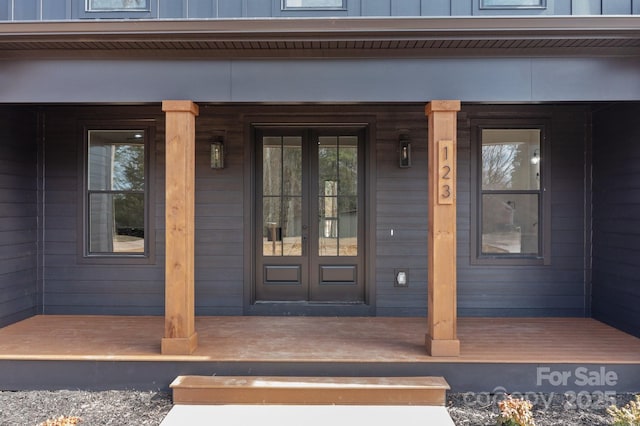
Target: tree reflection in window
(510, 191)
(116, 189)
(114, 5)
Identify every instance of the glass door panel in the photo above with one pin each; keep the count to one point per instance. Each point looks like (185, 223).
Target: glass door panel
(282, 196)
(308, 207)
(337, 195)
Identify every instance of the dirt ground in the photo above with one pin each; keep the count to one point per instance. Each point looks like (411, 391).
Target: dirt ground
(123, 408)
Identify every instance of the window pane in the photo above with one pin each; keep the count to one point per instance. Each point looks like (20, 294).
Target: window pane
(314, 4)
(328, 221)
(510, 223)
(338, 189)
(328, 164)
(512, 3)
(109, 5)
(282, 233)
(116, 160)
(348, 226)
(348, 165)
(272, 166)
(272, 236)
(292, 227)
(292, 165)
(511, 159)
(116, 223)
(328, 196)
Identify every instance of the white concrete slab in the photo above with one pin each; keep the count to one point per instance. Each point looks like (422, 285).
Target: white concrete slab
(308, 415)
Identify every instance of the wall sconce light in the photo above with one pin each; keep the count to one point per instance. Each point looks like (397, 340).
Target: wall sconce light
(217, 154)
(535, 158)
(404, 147)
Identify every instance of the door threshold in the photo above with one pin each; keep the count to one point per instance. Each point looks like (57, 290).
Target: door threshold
(298, 308)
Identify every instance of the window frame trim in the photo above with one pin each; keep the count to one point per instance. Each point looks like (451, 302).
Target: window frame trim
(482, 6)
(84, 12)
(544, 207)
(84, 255)
(285, 8)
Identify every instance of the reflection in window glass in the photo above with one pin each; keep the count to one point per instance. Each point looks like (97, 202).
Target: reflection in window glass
(337, 196)
(510, 223)
(111, 5)
(282, 196)
(313, 4)
(510, 191)
(510, 159)
(510, 4)
(116, 185)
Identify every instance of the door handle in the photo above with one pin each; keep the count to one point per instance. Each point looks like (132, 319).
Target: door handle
(304, 244)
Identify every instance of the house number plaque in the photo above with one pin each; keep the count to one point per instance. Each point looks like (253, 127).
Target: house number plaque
(446, 185)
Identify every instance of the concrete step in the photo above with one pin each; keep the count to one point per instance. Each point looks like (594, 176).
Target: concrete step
(307, 415)
(425, 391)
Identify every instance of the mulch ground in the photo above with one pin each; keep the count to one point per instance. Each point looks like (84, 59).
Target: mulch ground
(94, 408)
(135, 408)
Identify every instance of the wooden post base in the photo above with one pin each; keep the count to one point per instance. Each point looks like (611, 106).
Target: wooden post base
(179, 345)
(444, 348)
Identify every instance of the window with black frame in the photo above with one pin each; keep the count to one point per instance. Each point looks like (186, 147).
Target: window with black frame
(116, 5)
(313, 4)
(513, 4)
(511, 201)
(116, 186)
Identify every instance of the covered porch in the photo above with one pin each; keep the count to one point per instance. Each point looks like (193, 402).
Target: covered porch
(496, 354)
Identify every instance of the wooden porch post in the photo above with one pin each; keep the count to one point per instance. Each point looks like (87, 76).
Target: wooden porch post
(442, 339)
(180, 337)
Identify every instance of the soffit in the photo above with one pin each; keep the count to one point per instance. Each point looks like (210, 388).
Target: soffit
(320, 37)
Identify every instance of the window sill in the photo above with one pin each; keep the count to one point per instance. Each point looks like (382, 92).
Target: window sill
(514, 260)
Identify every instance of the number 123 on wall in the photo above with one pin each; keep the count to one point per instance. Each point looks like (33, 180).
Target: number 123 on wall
(446, 172)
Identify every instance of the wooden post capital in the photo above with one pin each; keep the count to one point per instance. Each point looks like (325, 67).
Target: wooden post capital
(181, 106)
(452, 106)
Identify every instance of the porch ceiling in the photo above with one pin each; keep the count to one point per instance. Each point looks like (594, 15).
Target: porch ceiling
(315, 37)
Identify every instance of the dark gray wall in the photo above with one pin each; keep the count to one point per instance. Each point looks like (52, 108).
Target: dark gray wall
(71, 285)
(514, 79)
(616, 216)
(400, 203)
(22, 10)
(557, 289)
(401, 206)
(18, 215)
(77, 286)
(542, 290)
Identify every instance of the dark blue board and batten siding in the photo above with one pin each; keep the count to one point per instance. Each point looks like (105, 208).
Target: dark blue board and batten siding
(74, 286)
(616, 216)
(37, 10)
(18, 215)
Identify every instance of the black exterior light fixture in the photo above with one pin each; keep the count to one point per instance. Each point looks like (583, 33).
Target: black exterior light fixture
(217, 153)
(404, 150)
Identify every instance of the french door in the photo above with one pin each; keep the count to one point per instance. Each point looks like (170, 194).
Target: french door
(309, 215)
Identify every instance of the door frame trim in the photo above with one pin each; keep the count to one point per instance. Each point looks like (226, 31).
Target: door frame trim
(319, 119)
